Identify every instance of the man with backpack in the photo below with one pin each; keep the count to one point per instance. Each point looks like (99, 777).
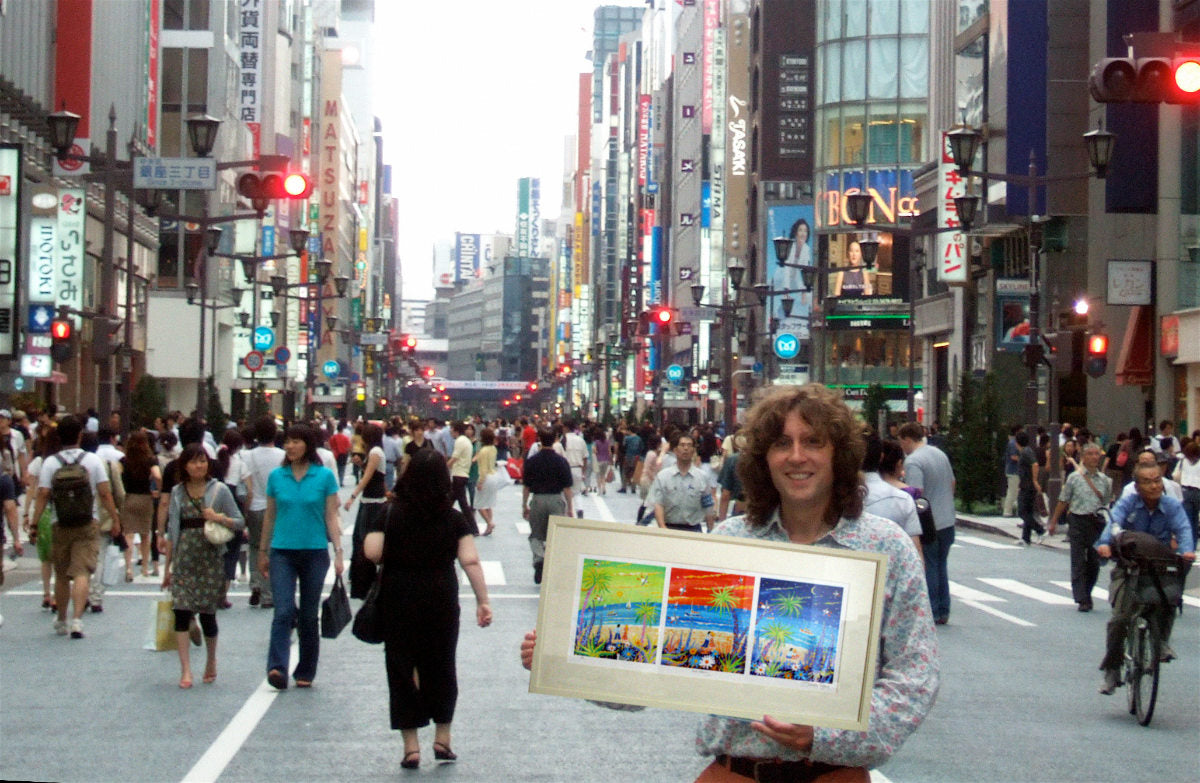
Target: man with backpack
(76, 482)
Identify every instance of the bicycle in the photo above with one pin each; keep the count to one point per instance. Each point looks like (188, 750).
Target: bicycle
(1156, 580)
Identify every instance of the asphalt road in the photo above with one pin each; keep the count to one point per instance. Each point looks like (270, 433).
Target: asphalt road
(1018, 700)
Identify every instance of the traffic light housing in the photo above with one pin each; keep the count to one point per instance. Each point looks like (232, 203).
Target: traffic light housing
(1097, 354)
(274, 185)
(1146, 80)
(61, 346)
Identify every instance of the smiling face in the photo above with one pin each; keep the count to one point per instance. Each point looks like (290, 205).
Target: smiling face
(294, 448)
(801, 465)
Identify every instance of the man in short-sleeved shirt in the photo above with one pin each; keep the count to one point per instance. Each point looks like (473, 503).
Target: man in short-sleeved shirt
(546, 490)
(75, 550)
(260, 462)
(460, 469)
(682, 494)
(927, 468)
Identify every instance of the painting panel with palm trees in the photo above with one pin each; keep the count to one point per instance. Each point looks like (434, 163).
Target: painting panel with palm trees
(620, 605)
(797, 628)
(708, 617)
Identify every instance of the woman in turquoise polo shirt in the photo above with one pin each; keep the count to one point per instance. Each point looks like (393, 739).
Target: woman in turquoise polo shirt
(301, 521)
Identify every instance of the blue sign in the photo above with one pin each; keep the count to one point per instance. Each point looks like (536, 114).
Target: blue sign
(268, 240)
(282, 354)
(675, 373)
(330, 368)
(264, 338)
(787, 346)
(40, 316)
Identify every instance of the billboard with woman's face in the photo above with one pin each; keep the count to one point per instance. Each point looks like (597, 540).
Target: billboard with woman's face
(794, 221)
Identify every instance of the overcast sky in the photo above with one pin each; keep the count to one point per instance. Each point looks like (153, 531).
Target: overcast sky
(473, 95)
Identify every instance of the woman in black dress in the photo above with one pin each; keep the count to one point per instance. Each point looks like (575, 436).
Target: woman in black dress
(417, 542)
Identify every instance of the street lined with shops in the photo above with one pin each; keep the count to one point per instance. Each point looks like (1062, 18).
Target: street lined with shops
(1018, 699)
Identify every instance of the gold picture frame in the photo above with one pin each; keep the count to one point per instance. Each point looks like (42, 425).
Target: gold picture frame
(710, 624)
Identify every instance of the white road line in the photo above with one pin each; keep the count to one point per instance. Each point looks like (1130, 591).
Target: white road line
(602, 507)
(997, 613)
(1022, 589)
(879, 777)
(522, 527)
(230, 740)
(965, 593)
(1100, 594)
(983, 542)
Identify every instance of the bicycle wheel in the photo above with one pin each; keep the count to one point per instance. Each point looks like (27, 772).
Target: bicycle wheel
(1131, 671)
(1147, 688)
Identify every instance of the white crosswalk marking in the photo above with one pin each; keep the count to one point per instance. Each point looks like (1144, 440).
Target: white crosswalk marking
(1027, 591)
(605, 513)
(983, 542)
(1099, 594)
(977, 599)
(522, 527)
(493, 574)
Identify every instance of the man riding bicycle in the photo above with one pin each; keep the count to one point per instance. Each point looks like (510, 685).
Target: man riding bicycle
(1149, 511)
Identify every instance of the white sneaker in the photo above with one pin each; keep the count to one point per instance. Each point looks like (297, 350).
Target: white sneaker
(60, 627)
(77, 628)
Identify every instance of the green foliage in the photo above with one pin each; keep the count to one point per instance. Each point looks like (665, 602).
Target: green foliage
(214, 414)
(874, 402)
(975, 440)
(148, 401)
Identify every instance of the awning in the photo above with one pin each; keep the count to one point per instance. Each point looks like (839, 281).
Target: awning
(1135, 362)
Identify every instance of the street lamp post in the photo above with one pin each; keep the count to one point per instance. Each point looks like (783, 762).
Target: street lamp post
(964, 144)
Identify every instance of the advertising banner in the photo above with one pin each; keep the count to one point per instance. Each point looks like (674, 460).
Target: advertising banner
(250, 46)
(528, 216)
(68, 282)
(892, 196)
(795, 222)
(466, 257)
(10, 233)
(952, 260)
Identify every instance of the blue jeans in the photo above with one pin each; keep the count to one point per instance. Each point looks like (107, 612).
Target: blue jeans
(308, 566)
(936, 577)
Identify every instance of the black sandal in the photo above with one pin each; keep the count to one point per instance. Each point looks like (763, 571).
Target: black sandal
(442, 752)
(412, 760)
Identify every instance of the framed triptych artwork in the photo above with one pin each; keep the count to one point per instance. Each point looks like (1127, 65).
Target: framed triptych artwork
(712, 624)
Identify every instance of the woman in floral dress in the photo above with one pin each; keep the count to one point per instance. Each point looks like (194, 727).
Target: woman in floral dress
(195, 569)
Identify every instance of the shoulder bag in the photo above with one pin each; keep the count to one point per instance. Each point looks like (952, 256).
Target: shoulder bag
(368, 623)
(335, 610)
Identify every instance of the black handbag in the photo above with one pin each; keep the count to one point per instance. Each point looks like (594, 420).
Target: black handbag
(335, 610)
(368, 623)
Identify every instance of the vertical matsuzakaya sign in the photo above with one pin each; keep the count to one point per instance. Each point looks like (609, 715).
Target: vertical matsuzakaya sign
(329, 173)
(10, 235)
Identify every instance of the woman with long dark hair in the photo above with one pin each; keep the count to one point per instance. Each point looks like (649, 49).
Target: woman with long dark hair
(417, 543)
(194, 569)
(142, 478)
(300, 522)
(230, 469)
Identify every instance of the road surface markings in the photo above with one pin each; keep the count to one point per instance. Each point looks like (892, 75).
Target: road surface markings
(605, 513)
(522, 527)
(983, 542)
(1100, 594)
(977, 599)
(230, 740)
(1027, 591)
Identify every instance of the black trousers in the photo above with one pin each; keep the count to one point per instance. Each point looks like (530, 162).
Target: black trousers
(464, 505)
(1082, 532)
(428, 649)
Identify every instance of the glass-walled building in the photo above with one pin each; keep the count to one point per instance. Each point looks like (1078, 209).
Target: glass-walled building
(872, 133)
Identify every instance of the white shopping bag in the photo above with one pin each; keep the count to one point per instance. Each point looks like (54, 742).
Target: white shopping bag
(114, 565)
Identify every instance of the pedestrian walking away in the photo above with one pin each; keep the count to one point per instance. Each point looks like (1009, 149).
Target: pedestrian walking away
(1029, 489)
(545, 491)
(800, 471)
(927, 468)
(416, 544)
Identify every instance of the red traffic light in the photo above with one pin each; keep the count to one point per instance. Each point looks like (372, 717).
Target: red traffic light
(60, 329)
(274, 186)
(663, 315)
(427, 372)
(533, 386)
(1097, 345)
(297, 185)
(1146, 80)
(408, 343)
